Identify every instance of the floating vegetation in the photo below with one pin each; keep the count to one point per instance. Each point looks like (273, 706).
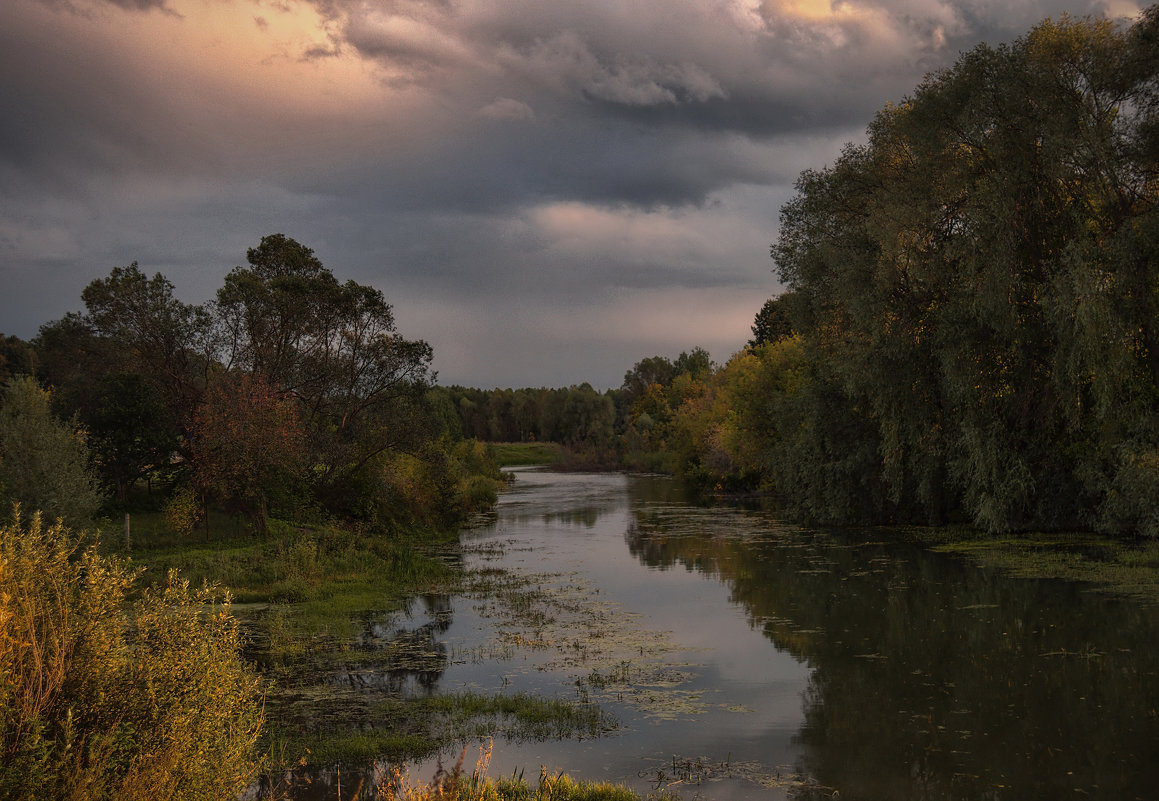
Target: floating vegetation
(1112, 566)
(655, 689)
(609, 653)
(693, 771)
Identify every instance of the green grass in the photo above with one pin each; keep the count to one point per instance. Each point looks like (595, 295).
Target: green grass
(415, 728)
(516, 716)
(514, 454)
(456, 784)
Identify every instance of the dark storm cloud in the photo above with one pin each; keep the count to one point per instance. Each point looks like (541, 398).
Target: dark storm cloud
(521, 163)
(139, 5)
(755, 69)
(77, 112)
(86, 6)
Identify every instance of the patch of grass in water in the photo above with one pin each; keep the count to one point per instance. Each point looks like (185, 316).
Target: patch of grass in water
(457, 785)
(1113, 566)
(416, 728)
(365, 747)
(519, 716)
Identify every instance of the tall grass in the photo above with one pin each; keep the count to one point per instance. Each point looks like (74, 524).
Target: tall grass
(457, 785)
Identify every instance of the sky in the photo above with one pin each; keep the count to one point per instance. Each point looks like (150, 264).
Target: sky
(547, 191)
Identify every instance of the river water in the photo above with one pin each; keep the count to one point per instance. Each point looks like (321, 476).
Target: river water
(744, 658)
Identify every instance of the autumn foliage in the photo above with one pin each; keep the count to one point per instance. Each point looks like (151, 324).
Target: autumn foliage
(100, 699)
(247, 437)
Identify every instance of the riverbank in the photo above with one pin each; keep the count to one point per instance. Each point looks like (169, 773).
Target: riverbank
(1126, 568)
(345, 627)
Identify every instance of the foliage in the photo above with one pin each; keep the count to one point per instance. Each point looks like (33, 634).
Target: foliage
(772, 322)
(978, 283)
(440, 485)
(143, 328)
(44, 462)
(129, 430)
(288, 369)
(652, 392)
(183, 511)
(575, 415)
(132, 369)
(17, 357)
(92, 708)
(246, 439)
(334, 347)
(726, 437)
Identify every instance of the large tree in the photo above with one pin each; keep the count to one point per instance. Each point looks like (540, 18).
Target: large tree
(334, 347)
(134, 337)
(982, 277)
(247, 441)
(170, 342)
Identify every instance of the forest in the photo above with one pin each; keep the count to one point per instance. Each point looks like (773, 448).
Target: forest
(968, 334)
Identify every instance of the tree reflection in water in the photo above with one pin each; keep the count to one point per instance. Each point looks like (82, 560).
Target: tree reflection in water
(931, 678)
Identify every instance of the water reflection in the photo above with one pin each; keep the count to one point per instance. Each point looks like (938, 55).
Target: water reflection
(931, 678)
(539, 496)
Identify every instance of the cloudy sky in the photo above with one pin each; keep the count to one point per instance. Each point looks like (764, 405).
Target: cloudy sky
(546, 190)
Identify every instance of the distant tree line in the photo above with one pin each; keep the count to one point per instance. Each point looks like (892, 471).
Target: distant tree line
(574, 415)
(588, 422)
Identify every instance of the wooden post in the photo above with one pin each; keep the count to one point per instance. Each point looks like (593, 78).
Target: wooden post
(126, 531)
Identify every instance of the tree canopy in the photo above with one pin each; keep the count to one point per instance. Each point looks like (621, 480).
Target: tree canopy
(289, 378)
(981, 279)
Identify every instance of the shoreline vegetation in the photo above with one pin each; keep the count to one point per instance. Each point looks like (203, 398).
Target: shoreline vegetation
(966, 354)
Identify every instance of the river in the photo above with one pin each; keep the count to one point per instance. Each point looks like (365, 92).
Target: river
(744, 658)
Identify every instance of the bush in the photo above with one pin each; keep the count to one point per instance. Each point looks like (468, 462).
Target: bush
(183, 511)
(99, 704)
(44, 462)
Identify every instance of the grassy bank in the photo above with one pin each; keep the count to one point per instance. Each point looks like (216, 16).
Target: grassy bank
(345, 627)
(518, 454)
(306, 597)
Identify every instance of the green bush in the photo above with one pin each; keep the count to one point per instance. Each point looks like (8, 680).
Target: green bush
(44, 462)
(100, 702)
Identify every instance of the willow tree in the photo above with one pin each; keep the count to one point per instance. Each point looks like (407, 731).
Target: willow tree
(981, 279)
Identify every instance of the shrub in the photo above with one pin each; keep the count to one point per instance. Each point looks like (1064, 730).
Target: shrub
(97, 703)
(44, 462)
(183, 511)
